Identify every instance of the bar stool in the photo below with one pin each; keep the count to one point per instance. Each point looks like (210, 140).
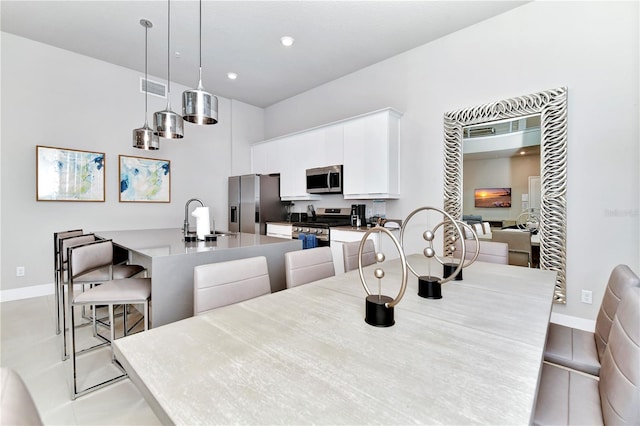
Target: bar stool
(57, 270)
(93, 277)
(96, 256)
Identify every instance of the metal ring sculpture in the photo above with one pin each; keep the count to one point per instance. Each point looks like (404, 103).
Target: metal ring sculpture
(429, 236)
(527, 220)
(379, 273)
(552, 107)
(475, 237)
(378, 313)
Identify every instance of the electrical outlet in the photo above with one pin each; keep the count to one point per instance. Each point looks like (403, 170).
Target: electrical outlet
(587, 297)
(20, 271)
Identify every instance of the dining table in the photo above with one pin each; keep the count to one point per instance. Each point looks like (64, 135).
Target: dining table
(306, 355)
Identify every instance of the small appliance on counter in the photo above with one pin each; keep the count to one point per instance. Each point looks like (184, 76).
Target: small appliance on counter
(358, 215)
(299, 217)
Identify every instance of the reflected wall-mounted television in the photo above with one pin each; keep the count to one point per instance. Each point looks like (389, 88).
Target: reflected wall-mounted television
(492, 197)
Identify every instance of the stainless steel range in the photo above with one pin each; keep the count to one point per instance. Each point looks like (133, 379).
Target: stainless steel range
(319, 224)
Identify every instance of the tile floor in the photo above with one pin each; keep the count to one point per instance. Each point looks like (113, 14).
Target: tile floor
(29, 345)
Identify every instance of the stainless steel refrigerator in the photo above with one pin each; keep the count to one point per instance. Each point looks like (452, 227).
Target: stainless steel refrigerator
(254, 200)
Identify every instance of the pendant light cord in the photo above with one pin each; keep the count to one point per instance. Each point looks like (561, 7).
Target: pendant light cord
(146, 80)
(168, 55)
(200, 48)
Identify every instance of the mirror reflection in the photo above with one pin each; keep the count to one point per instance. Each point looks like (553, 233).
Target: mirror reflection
(501, 184)
(501, 192)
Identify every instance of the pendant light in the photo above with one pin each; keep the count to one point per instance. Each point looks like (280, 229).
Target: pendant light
(199, 106)
(144, 137)
(167, 123)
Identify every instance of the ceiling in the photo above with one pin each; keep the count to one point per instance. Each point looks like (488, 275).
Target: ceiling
(332, 38)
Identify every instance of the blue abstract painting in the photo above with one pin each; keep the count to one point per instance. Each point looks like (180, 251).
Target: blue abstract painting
(145, 180)
(69, 175)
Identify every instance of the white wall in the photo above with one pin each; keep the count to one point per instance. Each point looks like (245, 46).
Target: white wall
(58, 98)
(590, 47)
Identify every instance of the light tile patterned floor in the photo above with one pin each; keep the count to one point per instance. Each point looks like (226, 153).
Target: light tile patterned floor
(30, 346)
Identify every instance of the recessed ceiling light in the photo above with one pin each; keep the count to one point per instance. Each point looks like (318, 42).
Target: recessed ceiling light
(523, 152)
(232, 75)
(287, 41)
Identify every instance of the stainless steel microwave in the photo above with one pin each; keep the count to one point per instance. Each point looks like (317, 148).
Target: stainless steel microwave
(324, 180)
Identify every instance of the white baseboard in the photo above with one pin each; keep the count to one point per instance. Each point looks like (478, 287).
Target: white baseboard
(573, 322)
(26, 292)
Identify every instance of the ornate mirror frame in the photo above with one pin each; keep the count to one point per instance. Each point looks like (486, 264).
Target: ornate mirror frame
(552, 107)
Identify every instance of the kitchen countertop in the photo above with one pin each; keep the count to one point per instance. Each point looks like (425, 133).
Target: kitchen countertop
(170, 241)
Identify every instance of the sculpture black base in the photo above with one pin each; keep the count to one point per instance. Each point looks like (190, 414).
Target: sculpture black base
(449, 268)
(376, 313)
(429, 288)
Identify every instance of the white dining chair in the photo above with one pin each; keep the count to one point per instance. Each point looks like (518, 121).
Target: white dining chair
(490, 251)
(305, 266)
(520, 252)
(350, 254)
(486, 228)
(567, 397)
(582, 350)
(16, 403)
(225, 283)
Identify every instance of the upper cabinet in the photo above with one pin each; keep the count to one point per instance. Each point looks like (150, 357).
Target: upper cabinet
(367, 145)
(372, 156)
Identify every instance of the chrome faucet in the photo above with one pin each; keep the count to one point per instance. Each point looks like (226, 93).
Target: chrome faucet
(186, 214)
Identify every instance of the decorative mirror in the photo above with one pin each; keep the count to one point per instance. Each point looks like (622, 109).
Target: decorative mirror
(551, 105)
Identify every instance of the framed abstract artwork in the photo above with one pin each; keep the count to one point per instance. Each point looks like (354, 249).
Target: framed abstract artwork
(144, 180)
(69, 175)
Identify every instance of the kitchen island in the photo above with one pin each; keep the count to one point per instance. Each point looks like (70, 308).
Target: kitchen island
(170, 262)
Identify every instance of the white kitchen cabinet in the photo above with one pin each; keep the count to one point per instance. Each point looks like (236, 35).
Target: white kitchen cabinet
(340, 236)
(267, 157)
(297, 150)
(279, 230)
(368, 146)
(372, 156)
(332, 145)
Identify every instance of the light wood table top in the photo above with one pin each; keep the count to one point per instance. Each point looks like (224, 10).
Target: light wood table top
(305, 355)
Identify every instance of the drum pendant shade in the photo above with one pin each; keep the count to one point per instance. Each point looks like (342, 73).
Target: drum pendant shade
(168, 124)
(198, 105)
(144, 138)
